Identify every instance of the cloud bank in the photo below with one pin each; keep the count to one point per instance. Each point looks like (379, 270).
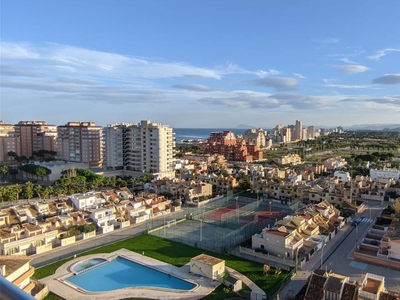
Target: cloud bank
(352, 69)
(388, 79)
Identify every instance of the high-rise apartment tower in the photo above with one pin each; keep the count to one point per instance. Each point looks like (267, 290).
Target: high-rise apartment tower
(35, 136)
(143, 147)
(80, 142)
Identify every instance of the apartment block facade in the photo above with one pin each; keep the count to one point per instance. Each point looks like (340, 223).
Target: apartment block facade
(80, 142)
(35, 136)
(9, 142)
(255, 137)
(145, 146)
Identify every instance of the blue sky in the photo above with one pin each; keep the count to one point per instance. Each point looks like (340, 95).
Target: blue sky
(201, 63)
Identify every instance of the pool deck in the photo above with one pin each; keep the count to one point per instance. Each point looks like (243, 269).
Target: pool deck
(70, 292)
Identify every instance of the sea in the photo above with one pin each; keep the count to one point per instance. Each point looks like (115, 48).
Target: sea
(201, 133)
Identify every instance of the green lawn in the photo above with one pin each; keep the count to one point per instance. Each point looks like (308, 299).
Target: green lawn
(178, 255)
(51, 296)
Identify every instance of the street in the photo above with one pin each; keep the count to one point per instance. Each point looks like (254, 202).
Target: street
(338, 257)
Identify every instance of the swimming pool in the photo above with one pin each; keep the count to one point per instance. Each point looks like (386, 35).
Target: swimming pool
(122, 273)
(86, 264)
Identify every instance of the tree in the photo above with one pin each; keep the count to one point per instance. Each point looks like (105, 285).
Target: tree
(47, 191)
(38, 190)
(2, 191)
(41, 172)
(14, 191)
(32, 169)
(28, 191)
(4, 171)
(97, 181)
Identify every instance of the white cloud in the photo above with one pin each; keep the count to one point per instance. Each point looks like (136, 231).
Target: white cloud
(194, 87)
(352, 69)
(280, 83)
(383, 52)
(17, 50)
(346, 86)
(346, 60)
(298, 75)
(388, 79)
(269, 72)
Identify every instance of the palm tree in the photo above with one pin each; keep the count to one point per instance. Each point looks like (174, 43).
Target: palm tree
(28, 193)
(2, 192)
(38, 190)
(16, 189)
(41, 172)
(4, 171)
(47, 191)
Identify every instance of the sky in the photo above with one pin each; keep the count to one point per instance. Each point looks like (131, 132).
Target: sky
(201, 63)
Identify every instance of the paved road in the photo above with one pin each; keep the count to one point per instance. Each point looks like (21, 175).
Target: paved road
(337, 256)
(339, 261)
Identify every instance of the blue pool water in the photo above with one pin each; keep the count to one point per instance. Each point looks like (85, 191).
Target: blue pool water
(86, 264)
(122, 273)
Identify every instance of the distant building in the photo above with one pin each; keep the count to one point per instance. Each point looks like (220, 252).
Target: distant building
(35, 136)
(225, 143)
(385, 173)
(226, 138)
(288, 159)
(145, 146)
(80, 142)
(342, 176)
(9, 142)
(298, 130)
(255, 137)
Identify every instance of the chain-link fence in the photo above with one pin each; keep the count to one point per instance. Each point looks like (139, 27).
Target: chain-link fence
(219, 225)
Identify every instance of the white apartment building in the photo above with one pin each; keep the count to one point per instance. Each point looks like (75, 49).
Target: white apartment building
(255, 137)
(385, 173)
(113, 145)
(80, 142)
(342, 176)
(298, 130)
(145, 146)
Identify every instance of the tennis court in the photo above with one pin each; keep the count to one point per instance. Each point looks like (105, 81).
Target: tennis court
(221, 225)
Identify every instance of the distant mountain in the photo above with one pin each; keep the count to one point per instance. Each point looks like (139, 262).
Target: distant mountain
(392, 127)
(243, 126)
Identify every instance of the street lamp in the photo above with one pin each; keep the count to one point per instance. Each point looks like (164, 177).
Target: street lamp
(370, 212)
(356, 233)
(164, 222)
(237, 212)
(270, 203)
(201, 229)
(257, 197)
(322, 255)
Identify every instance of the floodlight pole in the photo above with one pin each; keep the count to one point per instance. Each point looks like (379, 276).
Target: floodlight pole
(201, 229)
(237, 212)
(164, 222)
(370, 212)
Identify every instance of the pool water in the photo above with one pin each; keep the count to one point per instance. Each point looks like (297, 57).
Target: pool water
(86, 264)
(122, 273)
